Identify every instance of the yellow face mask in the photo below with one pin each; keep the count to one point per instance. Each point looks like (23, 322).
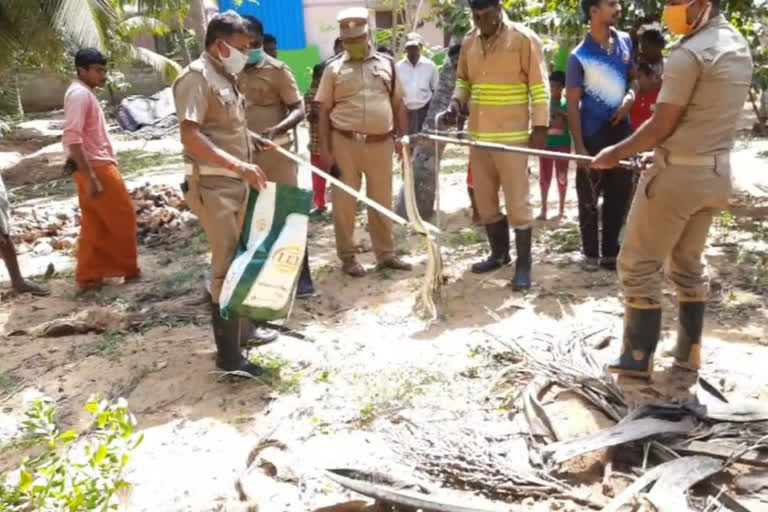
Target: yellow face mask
(676, 18)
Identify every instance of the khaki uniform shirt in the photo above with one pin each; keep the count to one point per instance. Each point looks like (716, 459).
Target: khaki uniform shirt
(269, 88)
(357, 93)
(504, 80)
(208, 96)
(709, 73)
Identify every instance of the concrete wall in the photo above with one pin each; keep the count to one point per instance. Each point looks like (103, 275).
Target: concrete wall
(42, 91)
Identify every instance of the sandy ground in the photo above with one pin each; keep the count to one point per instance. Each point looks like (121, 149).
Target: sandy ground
(367, 362)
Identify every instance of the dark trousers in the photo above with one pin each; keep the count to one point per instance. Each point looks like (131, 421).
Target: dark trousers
(416, 119)
(614, 185)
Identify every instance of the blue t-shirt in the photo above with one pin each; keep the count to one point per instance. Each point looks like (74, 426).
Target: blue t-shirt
(604, 79)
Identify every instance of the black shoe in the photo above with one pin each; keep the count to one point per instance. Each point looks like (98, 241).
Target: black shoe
(498, 239)
(522, 279)
(254, 333)
(687, 352)
(227, 334)
(608, 264)
(305, 288)
(642, 329)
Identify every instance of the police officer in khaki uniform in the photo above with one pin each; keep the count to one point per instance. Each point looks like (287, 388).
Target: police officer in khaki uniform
(218, 151)
(502, 79)
(706, 82)
(361, 115)
(273, 108)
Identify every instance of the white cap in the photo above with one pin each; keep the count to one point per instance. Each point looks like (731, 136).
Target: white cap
(353, 22)
(413, 39)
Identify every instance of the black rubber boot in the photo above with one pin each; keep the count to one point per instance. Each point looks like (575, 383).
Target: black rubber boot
(642, 329)
(305, 287)
(687, 352)
(522, 279)
(227, 334)
(498, 239)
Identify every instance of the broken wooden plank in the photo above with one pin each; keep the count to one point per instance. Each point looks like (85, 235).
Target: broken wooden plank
(718, 408)
(619, 434)
(660, 472)
(668, 494)
(721, 452)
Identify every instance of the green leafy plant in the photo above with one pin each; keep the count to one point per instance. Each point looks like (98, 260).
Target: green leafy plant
(74, 472)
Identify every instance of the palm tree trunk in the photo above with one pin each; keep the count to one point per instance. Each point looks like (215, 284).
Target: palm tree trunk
(19, 102)
(424, 154)
(185, 54)
(196, 17)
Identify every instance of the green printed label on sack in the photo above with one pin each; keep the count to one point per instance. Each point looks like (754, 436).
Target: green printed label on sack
(261, 281)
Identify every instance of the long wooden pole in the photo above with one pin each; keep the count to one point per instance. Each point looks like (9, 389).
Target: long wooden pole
(514, 149)
(349, 190)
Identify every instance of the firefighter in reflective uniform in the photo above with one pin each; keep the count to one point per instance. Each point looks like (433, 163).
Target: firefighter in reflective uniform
(502, 77)
(706, 82)
(361, 115)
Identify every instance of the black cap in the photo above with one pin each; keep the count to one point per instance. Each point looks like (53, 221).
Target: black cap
(483, 4)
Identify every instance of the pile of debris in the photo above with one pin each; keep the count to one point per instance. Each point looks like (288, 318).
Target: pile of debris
(162, 214)
(162, 217)
(44, 231)
(657, 452)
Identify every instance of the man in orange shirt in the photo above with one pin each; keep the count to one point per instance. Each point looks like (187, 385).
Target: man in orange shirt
(107, 246)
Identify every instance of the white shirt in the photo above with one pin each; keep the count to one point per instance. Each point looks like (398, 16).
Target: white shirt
(419, 81)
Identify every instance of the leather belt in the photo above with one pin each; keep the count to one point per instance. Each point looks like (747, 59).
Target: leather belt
(364, 137)
(692, 160)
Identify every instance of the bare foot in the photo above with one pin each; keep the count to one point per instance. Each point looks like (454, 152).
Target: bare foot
(30, 287)
(542, 216)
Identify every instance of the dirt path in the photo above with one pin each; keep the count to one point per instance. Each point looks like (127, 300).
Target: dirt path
(367, 365)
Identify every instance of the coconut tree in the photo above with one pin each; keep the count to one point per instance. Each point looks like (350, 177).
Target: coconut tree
(43, 33)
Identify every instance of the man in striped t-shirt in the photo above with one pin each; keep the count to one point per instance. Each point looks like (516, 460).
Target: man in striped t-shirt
(502, 76)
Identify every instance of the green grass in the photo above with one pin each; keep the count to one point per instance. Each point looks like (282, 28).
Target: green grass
(279, 375)
(561, 240)
(8, 383)
(107, 345)
(135, 162)
(465, 237)
(175, 285)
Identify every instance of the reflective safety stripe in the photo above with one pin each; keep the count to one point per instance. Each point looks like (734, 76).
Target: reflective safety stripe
(500, 95)
(463, 84)
(539, 94)
(501, 137)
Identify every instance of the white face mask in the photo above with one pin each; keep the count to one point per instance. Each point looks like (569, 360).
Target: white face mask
(236, 61)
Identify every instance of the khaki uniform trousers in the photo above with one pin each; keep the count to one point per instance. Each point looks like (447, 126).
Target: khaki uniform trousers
(492, 170)
(667, 228)
(277, 167)
(220, 203)
(374, 160)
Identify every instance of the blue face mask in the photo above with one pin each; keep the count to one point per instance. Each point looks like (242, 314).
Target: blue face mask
(255, 56)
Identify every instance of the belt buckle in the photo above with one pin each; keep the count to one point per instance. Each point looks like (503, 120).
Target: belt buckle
(359, 137)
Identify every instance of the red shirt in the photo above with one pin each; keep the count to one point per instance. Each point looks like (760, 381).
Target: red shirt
(643, 108)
